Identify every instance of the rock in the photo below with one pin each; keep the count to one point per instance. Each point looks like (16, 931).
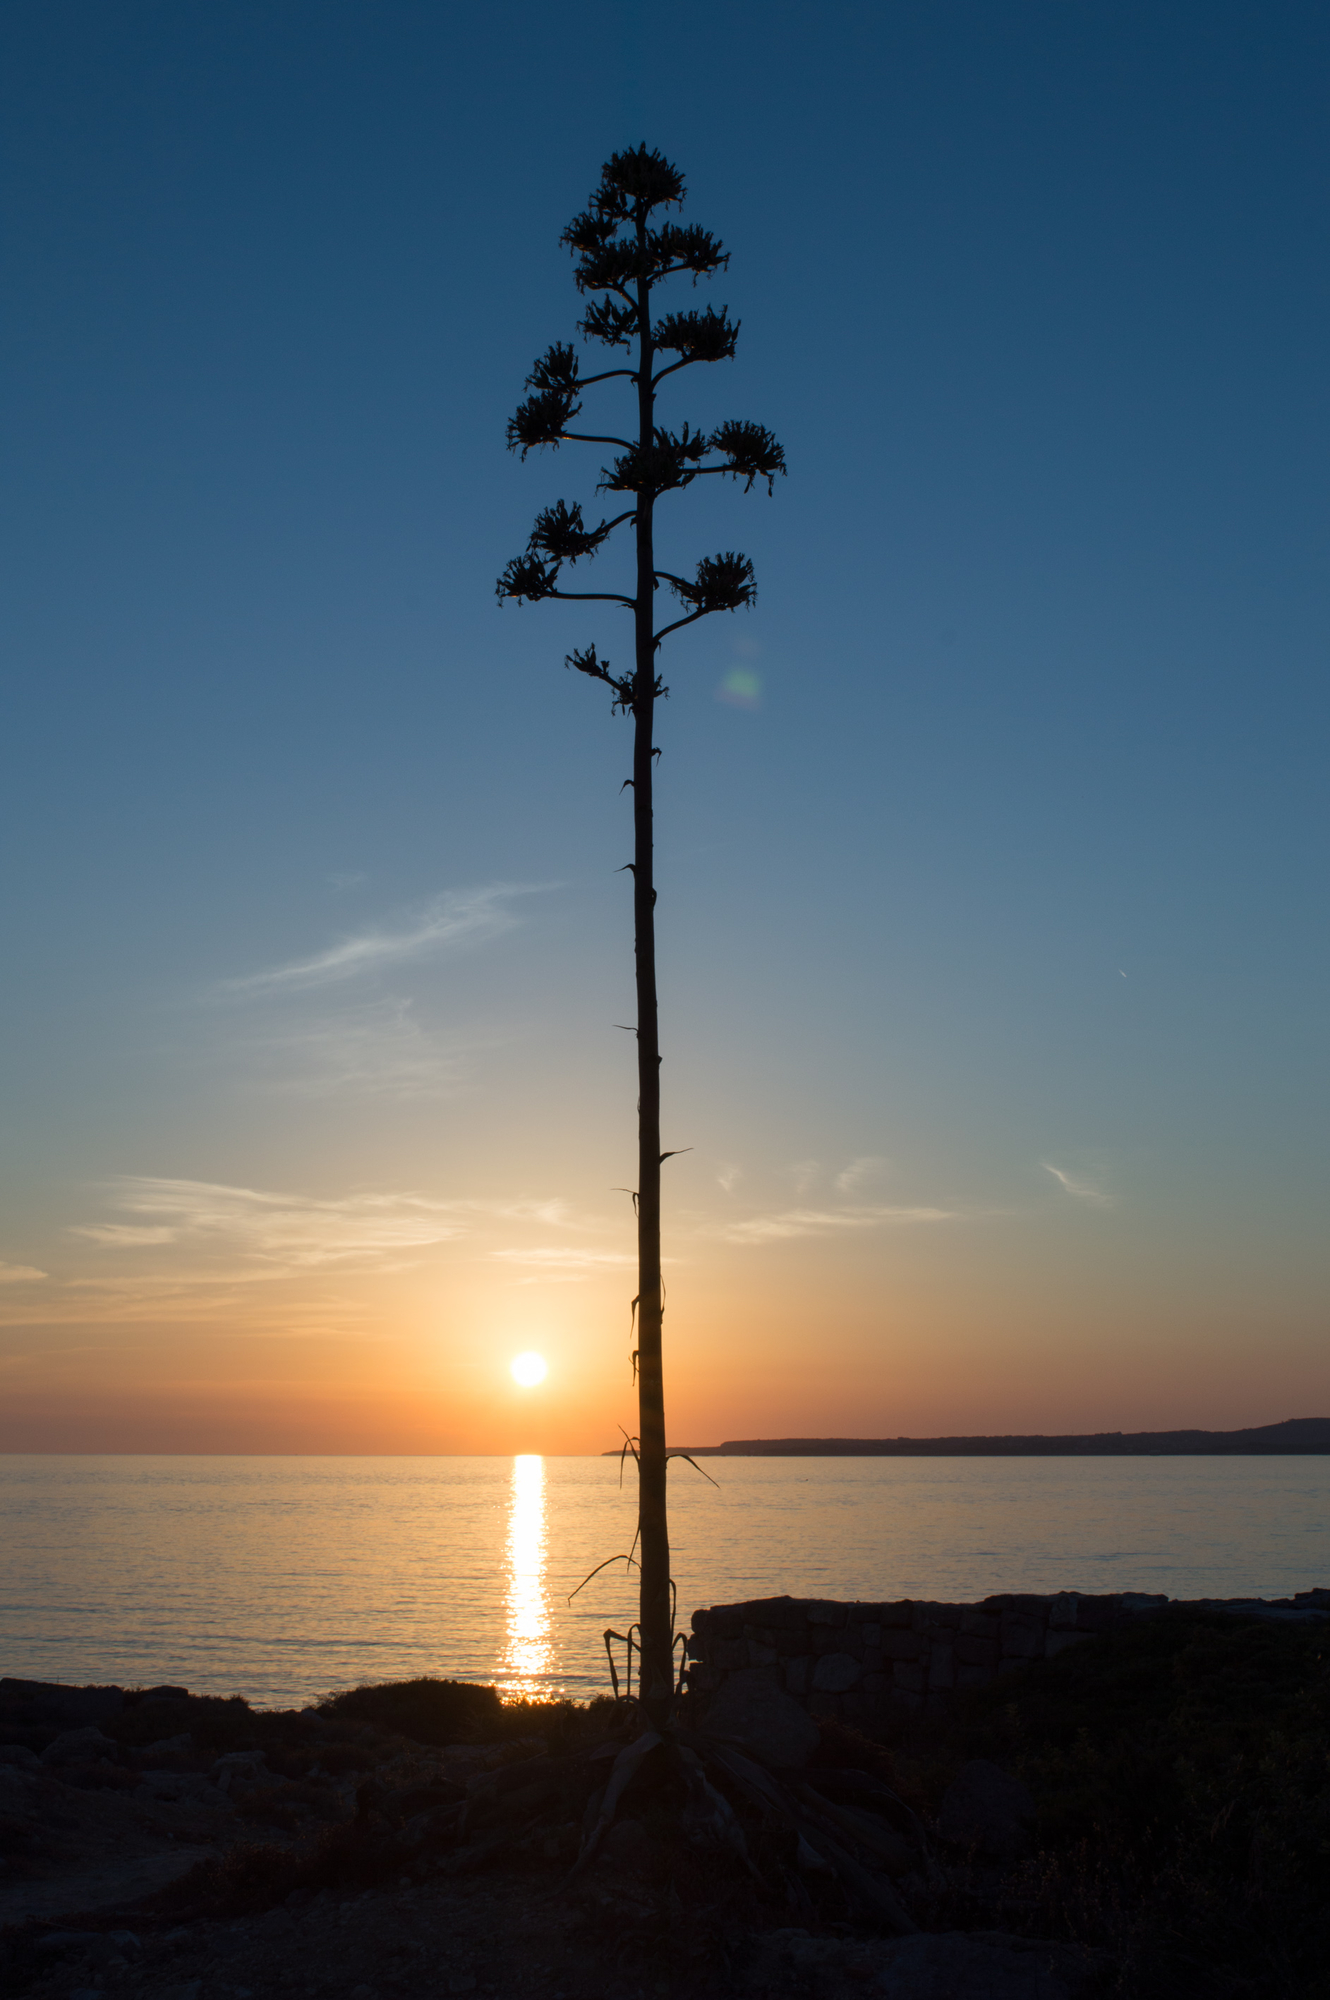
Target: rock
(19, 1755)
(239, 1767)
(79, 1745)
(986, 1808)
(835, 1672)
(628, 1845)
(1058, 1642)
(98, 1945)
(171, 1746)
(1281, 1613)
(778, 1611)
(460, 1762)
(754, 1713)
(171, 1785)
(950, 1965)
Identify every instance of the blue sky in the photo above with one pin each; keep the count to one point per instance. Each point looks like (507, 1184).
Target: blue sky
(993, 955)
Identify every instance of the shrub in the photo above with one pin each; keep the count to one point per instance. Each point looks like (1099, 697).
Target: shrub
(426, 1710)
(1181, 1774)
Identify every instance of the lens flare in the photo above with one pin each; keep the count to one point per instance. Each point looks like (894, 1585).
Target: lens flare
(528, 1369)
(741, 688)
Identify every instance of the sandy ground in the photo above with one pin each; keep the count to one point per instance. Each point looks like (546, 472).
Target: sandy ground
(79, 1921)
(157, 1864)
(86, 1850)
(502, 1932)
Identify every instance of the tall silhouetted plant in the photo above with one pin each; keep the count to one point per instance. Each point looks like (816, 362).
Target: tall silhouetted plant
(622, 256)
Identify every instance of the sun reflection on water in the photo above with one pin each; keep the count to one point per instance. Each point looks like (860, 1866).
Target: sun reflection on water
(529, 1652)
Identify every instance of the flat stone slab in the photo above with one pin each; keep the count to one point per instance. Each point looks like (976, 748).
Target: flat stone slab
(103, 1886)
(946, 1965)
(752, 1712)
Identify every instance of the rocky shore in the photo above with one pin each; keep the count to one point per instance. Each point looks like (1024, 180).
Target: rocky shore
(154, 1870)
(416, 1840)
(868, 1664)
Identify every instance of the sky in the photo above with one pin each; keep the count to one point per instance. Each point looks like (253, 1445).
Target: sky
(992, 842)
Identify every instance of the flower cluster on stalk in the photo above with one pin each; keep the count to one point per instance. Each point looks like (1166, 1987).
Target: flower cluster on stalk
(621, 256)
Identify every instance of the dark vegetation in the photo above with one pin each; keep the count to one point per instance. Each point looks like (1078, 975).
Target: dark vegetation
(440, 1711)
(1183, 1783)
(1179, 1770)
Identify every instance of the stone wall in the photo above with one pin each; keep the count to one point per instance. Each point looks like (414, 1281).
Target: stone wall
(862, 1661)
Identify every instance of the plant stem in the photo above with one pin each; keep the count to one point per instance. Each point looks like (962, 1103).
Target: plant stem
(653, 1525)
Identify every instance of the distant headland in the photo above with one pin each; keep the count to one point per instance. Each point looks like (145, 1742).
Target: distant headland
(1298, 1434)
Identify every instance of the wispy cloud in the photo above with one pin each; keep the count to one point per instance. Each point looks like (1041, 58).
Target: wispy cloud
(570, 1262)
(728, 1176)
(805, 1173)
(275, 1234)
(822, 1222)
(244, 1301)
(380, 1050)
(1076, 1184)
(860, 1173)
(19, 1274)
(289, 1231)
(559, 1265)
(125, 1235)
(461, 917)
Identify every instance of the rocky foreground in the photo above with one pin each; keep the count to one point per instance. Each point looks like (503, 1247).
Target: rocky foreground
(1150, 1821)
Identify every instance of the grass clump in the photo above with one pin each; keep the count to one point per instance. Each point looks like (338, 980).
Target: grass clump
(1181, 1769)
(428, 1710)
(443, 1712)
(217, 1723)
(260, 1874)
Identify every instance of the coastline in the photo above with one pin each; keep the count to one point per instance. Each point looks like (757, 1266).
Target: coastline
(1296, 1437)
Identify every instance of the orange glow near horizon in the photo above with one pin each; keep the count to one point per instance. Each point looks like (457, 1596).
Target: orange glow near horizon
(915, 1334)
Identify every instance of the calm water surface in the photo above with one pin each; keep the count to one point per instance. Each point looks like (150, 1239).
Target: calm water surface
(279, 1578)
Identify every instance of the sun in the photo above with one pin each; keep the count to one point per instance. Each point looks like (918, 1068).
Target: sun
(528, 1369)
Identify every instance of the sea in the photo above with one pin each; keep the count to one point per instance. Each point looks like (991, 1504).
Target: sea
(283, 1579)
